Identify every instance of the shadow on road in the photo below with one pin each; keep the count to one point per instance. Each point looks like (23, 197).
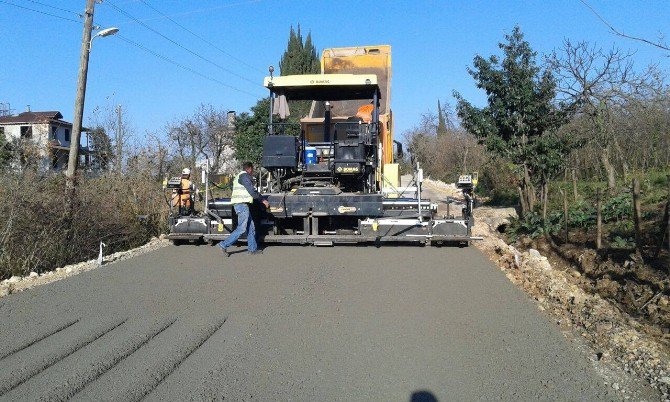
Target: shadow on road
(422, 396)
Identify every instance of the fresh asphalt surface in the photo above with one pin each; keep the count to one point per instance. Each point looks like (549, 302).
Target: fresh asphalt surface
(296, 323)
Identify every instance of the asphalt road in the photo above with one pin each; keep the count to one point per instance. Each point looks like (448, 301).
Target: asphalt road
(296, 323)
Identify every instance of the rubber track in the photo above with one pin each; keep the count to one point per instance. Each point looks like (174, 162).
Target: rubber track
(161, 376)
(39, 338)
(23, 377)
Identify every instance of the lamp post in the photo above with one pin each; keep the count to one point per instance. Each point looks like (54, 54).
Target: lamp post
(86, 42)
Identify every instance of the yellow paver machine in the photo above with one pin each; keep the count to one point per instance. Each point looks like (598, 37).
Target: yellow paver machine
(331, 176)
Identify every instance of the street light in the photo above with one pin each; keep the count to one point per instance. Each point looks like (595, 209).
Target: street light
(102, 33)
(73, 158)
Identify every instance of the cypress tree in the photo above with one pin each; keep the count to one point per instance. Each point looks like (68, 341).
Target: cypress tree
(300, 57)
(441, 121)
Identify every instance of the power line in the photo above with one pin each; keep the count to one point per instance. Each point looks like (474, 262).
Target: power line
(156, 54)
(56, 8)
(167, 59)
(41, 12)
(179, 45)
(200, 37)
(199, 10)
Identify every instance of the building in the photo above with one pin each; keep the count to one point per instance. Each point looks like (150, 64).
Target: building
(47, 135)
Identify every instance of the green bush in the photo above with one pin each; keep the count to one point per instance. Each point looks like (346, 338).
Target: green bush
(617, 208)
(497, 181)
(617, 241)
(533, 226)
(622, 235)
(582, 215)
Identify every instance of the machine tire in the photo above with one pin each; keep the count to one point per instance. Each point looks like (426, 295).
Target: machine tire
(177, 242)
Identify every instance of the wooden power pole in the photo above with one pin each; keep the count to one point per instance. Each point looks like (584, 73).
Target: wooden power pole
(119, 140)
(73, 159)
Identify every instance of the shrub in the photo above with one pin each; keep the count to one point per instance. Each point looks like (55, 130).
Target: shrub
(498, 182)
(37, 235)
(617, 208)
(581, 215)
(533, 226)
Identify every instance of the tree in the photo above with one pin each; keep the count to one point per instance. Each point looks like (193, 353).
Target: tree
(598, 85)
(101, 145)
(206, 131)
(299, 58)
(250, 129)
(520, 109)
(441, 120)
(117, 127)
(5, 151)
(443, 155)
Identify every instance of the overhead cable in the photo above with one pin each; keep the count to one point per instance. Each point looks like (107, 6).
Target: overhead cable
(56, 8)
(198, 73)
(41, 12)
(200, 37)
(179, 45)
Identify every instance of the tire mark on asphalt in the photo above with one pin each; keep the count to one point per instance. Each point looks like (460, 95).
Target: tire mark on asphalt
(106, 366)
(39, 338)
(174, 365)
(19, 378)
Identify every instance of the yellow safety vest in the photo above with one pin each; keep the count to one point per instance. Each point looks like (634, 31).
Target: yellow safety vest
(240, 194)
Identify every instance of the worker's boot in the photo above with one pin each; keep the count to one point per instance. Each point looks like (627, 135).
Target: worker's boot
(256, 252)
(226, 253)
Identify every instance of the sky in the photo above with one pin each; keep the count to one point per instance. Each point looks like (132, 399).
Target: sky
(433, 42)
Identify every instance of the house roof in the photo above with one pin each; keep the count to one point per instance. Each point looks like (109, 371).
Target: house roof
(33, 117)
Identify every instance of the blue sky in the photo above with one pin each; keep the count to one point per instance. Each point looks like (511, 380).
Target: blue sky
(433, 43)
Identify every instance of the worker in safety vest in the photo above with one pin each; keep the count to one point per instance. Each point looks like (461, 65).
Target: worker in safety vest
(243, 196)
(183, 196)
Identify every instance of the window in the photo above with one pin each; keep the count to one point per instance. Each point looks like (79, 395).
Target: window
(54, 133)
(67, 134)
(26, 132)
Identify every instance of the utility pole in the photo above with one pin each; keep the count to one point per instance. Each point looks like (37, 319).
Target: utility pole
(119, 140)
(73, 159)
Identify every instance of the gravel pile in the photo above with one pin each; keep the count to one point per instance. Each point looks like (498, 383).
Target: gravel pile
(18, 284)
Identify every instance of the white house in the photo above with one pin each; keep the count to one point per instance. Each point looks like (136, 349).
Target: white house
(48, 133)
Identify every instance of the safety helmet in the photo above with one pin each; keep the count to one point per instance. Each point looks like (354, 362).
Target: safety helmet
(186, 172)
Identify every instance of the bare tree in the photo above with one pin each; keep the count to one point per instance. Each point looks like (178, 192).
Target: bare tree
(447, 155)
(118, 127)
(660, 43)
(595, 85)
(206, 132)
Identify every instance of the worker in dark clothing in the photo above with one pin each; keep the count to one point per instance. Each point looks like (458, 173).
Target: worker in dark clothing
(243, 196)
